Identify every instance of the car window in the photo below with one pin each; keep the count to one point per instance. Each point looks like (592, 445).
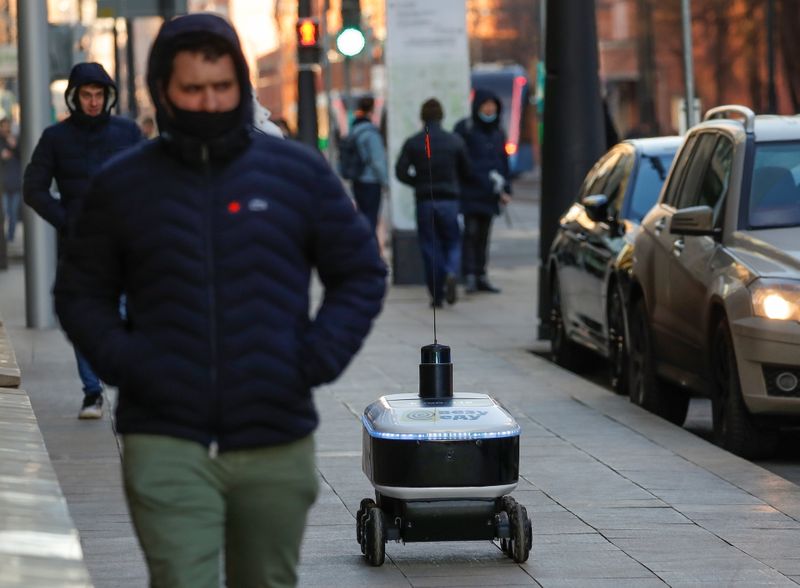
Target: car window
(617, 181)
(715, 182)
(650, 178)
(696, 170)
(595, 180)
(774, 199)
(676, 177)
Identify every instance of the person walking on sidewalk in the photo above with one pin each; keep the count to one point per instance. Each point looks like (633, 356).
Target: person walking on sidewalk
(11, 170)
(489, 186)
(213, 231)
(368, 187)
(71, 152)
(436, 187)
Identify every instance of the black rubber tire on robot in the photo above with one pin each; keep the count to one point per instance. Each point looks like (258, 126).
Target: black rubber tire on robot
(503, 520)
(366, 504)
(375, 537)
(521, 535)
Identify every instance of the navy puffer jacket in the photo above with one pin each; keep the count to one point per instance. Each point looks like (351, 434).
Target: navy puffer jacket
(73, 150)
(486, 144)
(214, 244)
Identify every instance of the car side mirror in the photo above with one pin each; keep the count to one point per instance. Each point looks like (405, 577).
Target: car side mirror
(596, 207)
(695, 220)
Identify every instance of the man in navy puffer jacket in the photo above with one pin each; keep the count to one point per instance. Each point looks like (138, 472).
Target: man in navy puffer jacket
(71, 152)
(212, 231)
(487, 188)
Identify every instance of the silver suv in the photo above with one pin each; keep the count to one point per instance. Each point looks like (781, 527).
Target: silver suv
(714, 305)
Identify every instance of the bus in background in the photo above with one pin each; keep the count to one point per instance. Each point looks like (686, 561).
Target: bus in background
(510, 84)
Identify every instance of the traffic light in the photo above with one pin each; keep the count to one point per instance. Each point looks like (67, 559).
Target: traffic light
(351, 41)
(308, 44)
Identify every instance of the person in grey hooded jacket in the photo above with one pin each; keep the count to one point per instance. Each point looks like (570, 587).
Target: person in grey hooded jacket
(367, 189)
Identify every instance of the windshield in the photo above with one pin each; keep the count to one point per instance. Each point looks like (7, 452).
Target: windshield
(649, 179)
(775, 188)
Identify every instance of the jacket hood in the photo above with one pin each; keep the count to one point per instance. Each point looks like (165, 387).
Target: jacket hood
(481, 96)
(89, 73)
(168, 42)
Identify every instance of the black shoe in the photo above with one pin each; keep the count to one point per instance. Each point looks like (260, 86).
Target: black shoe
(451, 295)
(92, 407)
(484, 285)
(470, 284)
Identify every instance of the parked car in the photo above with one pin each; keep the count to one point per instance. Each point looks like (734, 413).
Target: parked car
(587, 296)
(715, 294)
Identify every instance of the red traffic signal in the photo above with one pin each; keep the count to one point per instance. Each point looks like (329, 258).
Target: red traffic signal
(307, 32)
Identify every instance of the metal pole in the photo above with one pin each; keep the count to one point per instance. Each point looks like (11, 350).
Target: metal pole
(326, 76)
(574, 131)
(130, 65)
(348, 86)
(772, 98)
(34, 89)
(688, 62)
(307, 130)
(117, 65)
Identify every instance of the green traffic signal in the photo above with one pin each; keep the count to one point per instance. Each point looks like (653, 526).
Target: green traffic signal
(350, 41)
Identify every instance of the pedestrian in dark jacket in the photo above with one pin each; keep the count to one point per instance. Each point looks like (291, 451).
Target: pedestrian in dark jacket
(488, 187)
(213, 230)
(435, 174)
(368, 187)
(71, 152)
(10, 176)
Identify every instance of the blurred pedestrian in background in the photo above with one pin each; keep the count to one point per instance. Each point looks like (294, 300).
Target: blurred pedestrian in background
(488, 187)
(435, 177)
(374, 177)
(10, 176)
(213, 231)
(71, 152)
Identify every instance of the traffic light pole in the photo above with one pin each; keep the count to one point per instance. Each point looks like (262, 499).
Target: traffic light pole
(34, 89)
(307, 130)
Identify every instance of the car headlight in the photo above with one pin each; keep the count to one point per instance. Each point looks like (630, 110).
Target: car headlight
(776, 299)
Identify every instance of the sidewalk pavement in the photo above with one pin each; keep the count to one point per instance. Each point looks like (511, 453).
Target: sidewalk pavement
(618, 497)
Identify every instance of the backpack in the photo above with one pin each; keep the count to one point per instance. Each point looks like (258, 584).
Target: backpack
(351, 163)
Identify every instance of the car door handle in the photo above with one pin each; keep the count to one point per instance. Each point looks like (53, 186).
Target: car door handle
(677, 247)
(660, 225)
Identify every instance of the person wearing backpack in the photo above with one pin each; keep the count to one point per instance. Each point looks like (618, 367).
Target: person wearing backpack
(367, 166)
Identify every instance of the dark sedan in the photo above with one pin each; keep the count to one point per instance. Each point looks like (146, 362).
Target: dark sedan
(587, 257)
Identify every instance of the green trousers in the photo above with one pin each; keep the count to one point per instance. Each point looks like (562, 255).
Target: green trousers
(189, 507)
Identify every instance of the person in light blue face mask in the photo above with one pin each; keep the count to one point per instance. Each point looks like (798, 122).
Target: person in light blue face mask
(489, 187)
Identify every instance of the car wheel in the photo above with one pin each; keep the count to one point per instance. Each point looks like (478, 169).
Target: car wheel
(644, 388)
(617, 346)
(566, 352)
(734, 428)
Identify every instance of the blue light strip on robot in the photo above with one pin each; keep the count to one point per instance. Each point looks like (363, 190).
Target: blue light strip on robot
(445, 436)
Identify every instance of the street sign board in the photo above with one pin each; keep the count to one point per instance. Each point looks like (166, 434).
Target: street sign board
(134, 8)
(426, 56)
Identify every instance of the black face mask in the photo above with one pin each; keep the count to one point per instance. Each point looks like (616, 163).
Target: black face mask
(203, 125)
